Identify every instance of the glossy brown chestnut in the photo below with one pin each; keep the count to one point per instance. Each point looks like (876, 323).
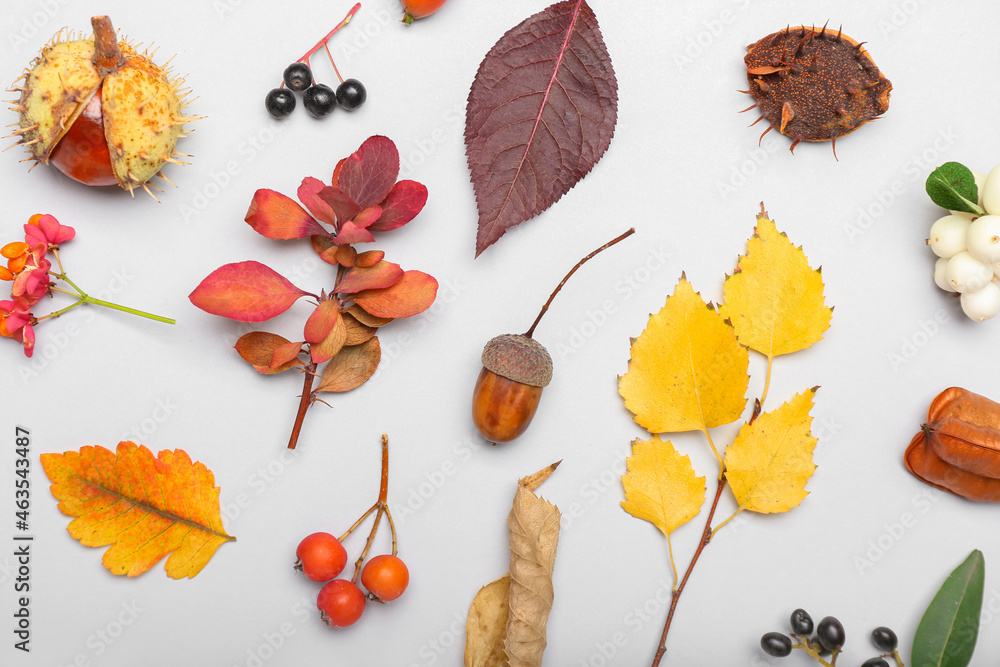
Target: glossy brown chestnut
(82, 153)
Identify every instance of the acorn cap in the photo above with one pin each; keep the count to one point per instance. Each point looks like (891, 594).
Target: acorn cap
(518, 358)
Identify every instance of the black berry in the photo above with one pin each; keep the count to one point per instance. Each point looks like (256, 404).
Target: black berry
(319, 100)
(776, 644)
(875, 662)
(802, 622)
(298, 76)
(885, 639)
(830, 633)
(279, 102)
(351, 94)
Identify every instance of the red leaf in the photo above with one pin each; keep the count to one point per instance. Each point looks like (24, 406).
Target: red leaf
(321, 321)
(383, 274)
(331, 345)
(412, 294)
(369, 258)
(404, 201)
(260, 347)
(245, 291)
(285, 356)
(276, 216)
(541, 113)
(308, 194)
(368, 175)
(351, 233)
(367, 217)
(340, 202)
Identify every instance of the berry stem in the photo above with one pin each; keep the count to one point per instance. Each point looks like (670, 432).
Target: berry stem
(304, 403)
(327, 47)
(380, 507)
(706, 536)
(321, 43)
(607, 245)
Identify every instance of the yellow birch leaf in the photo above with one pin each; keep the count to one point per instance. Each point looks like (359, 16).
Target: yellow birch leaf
(661, 486)
(770, 460)
(774, 299)
(687, 372)
(143, 507)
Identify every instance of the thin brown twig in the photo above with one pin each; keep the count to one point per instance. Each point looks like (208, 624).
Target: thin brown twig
(706, 535)
(607, 245)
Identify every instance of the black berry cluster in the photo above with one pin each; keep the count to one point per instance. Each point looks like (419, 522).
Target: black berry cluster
(828, 639)
(318, 98)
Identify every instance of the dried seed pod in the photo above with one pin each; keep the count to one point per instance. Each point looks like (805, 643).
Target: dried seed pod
(100, 111)
(958, 449)
(814, 85)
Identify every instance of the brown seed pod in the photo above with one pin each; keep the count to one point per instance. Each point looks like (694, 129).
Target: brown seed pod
(814, 85)
(100, 111)
(958, 449)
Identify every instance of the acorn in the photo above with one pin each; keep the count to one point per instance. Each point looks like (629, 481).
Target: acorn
(516, 368)
(99, 111)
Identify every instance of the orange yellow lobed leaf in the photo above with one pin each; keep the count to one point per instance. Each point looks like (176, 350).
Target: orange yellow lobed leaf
(687, 371)
(770, 460)
(774, 299)
(143, 507)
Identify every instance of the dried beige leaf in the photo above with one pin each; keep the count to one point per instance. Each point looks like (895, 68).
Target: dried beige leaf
(534, 534)
(487, 625)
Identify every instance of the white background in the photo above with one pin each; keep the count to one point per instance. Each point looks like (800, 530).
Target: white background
(682, 168)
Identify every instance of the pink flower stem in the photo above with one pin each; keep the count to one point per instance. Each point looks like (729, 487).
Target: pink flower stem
(83, 297)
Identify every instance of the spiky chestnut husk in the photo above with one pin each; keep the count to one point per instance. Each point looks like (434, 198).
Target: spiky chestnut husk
(814, 85)
(509, 387)
(140, 109)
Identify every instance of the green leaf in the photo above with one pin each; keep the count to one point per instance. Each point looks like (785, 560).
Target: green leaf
(952, 186)
(946, 636)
